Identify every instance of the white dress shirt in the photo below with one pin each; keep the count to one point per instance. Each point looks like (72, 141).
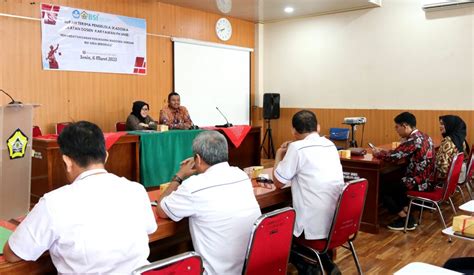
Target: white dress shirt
(313, 167)
(98, 224)
(222, 208)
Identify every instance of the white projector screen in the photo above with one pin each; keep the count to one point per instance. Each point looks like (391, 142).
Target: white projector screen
(209, 76)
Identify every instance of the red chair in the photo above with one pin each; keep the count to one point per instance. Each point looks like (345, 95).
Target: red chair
(36, 131)
(188, 263)
(270, 243)
(60, 126)
(120, 126)
(469, 173)
(439, 194)
(344, 227)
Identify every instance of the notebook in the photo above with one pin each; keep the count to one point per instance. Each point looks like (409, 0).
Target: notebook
(4, 235)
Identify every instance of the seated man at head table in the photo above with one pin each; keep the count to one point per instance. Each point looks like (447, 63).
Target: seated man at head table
(219, 202)
(97, 224)
(311, 164)
(418, 149)
(174, 115)
(139, 118)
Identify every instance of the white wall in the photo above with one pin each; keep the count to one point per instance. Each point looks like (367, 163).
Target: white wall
(393, 57)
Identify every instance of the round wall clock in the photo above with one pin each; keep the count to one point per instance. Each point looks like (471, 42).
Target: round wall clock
(223, 29)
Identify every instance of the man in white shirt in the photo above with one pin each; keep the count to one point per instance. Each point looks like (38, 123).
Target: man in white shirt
(219, 202)
(312, 165)
(98, 224)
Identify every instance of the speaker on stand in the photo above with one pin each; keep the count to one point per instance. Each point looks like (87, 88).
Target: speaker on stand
(271, 110)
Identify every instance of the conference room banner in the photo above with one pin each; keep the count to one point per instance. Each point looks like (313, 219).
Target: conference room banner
(82, 40)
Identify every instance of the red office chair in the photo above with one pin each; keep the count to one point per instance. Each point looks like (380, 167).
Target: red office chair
(188, 263)
(468, 179)
(270, 243)
(120, 126)
(60, 126)
(344, 227)
(36, 131)
(439, 194)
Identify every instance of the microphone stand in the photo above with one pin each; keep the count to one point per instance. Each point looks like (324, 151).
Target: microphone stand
(13, 101)
(227, 124)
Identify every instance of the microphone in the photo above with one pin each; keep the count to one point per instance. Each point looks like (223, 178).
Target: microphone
(13, 101)
(227, 125)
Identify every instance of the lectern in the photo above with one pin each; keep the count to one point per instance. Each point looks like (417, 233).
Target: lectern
(16, 123)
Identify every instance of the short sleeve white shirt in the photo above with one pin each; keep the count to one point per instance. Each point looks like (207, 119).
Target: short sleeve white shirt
(222, 208)
(313, 168)
(98, 224)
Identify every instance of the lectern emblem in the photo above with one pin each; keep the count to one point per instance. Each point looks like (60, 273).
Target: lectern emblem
(16, 144)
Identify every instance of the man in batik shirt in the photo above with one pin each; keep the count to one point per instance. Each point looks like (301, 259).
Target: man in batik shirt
(174, 115)
(418, 151)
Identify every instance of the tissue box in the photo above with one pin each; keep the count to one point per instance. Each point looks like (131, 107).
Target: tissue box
(345, 154)
(162, 128)
(253, 171)
(464, 224)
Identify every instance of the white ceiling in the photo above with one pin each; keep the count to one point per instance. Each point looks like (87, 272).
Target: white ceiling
(264, 11)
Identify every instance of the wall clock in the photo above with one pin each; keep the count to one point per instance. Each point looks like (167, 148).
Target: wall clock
(223, 29)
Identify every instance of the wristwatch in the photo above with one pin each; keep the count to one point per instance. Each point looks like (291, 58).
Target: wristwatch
(177, 179)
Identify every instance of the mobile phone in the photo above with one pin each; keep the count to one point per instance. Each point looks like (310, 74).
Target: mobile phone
(371, 145)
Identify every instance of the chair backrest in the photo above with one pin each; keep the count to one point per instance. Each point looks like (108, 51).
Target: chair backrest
(189, 263)
(60, 126)
(470, 165)
(36, 131)
(339, 133)
(120, 126)
(270, 243)
(348, 214)
(453, 175)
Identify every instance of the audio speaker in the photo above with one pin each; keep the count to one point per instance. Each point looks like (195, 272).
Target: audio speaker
(271, 106)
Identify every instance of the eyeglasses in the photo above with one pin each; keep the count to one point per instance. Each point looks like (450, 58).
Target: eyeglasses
(144, 109)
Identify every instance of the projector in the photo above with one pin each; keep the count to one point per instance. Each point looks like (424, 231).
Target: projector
(355, 120)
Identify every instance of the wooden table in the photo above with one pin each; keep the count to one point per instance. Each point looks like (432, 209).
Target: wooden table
(248, 153)
(48, 173)
(371, 169)
(162, 152)
(167, 231)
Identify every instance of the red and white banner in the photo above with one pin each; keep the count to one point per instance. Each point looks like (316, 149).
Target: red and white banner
(81, 40)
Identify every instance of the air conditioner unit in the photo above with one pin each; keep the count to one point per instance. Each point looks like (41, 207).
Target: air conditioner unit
(453, 4)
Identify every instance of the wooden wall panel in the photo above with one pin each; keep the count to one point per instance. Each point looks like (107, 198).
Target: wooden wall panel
(378, 130)
(101, 97)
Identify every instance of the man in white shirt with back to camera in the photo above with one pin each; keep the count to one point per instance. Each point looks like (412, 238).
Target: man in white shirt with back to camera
(219, 202)
(98, 224)
(311, 164)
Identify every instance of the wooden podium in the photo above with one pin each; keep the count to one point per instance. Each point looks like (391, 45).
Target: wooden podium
(16, 127)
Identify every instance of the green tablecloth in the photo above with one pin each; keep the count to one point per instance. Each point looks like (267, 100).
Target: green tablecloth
(161, 153)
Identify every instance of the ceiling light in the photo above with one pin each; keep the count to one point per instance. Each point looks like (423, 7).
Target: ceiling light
(289, 9)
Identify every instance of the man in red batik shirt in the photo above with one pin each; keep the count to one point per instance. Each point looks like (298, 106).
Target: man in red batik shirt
(418, 151)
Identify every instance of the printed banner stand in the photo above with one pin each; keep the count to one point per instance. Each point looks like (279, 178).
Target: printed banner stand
(16, 125)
